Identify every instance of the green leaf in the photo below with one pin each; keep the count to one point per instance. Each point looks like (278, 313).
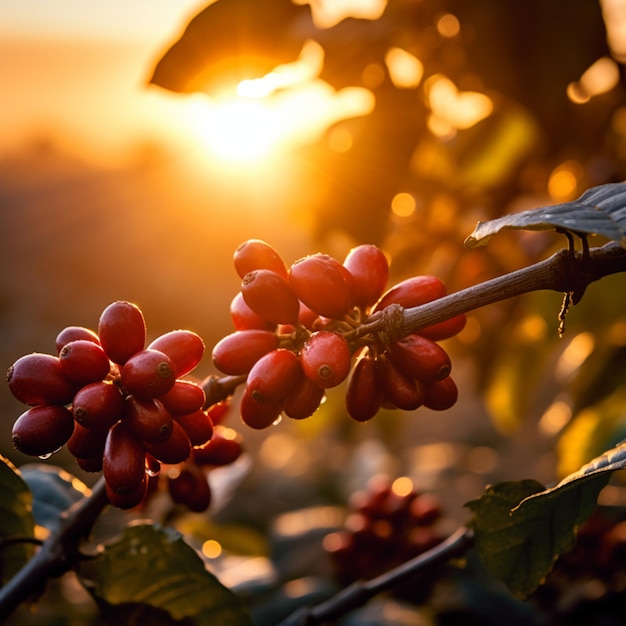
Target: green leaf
(151, 570)
(521, 527)
(16, 520)
(600, 210)
(54, 491)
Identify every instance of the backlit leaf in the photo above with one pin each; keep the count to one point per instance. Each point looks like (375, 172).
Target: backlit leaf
(600, 210)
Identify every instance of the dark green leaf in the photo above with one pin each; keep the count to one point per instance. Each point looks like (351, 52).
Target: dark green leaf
(521, 527)
(229, 41)
(154, 567)
(54, 491)
(600, 210)
(16, 520)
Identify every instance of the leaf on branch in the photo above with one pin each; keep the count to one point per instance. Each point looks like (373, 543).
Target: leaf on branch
(16, 520)
(54, 491)
(600, 210)
(229, 41)
(521, 528)
(151, 571)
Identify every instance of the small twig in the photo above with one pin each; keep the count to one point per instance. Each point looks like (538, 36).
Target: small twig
(358, 593)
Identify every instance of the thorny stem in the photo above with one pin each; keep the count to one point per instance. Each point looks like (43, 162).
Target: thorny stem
(358, 593)
(57, 553)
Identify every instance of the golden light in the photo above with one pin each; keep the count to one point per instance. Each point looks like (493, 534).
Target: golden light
(555, 418)
(448, 26)
(614, 14)
(403, 204)
(211, 549)
(327, 13)
(402, 486)
(405, 69)
(563, 181)
(452, 109)
(599, 78)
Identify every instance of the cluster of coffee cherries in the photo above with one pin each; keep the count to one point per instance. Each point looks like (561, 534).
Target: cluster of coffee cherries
(299, 331)
(121, 407)
(387, 524)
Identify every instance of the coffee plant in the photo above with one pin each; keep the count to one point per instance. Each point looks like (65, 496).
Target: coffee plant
(131, 411)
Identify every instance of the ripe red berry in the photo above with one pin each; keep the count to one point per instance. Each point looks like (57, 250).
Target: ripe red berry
(364, 394)
(197, 425)
(122, 330)
(218, 411)
(175, 449)
(269, 295)
(236, 353)
(323, 284)
(441, 394)
(73, 333)
(123, 460)
(184, 348)
(303, 400)
(274, 375)
(84, 361)
(87, 443)
(243, 317)
(224, 448)
(127, 499)
(38, 378)
(98, 405)
(42, 430)
(189, 486)
(446, 329)
(412, 292)
(325, 359)
(401, 391)
(147, 418)
(369, 266)
(184, 397)
(420, 357)
(256, 254)
(148, 374)
(256, 414)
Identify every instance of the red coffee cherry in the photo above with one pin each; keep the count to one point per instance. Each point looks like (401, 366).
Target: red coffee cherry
(224, 448)
(189, 486)
(87, 443)
(148, 374)
(38, 378)
(98, 405)
(269, 295)
(128, 499)
(123, 461)
(256, 254)
(369, 266)
(244, 318)
(197, 425)
(325, 359)
(274, 375)
(175, 449)
(42, 430)
(84, 361)
(412, 292)
(303, 400)
(441, 395)
(446, 329)
(236, 353)
(122, 331)
(256, 414)
(184, 348)
(184, 397)
(420, 357)
(364, 394)
(147, 418)
(73, 333)
(400, 390)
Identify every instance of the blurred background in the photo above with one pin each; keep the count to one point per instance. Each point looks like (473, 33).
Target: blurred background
(142, 142)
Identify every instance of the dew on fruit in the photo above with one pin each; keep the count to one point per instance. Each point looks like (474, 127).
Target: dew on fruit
(45, 457)
(278, 420)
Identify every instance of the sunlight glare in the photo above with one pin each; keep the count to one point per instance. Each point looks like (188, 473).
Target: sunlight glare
(405, 69)
(327, 13)
(602, 76)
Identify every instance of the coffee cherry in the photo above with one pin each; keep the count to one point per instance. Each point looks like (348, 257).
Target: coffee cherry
(147, 419)
(441, 395)
(256, 414)
(303, 399)
(38, 378)
(236, 353)
(244, 318)
(412, 292)
(400, 390)
(122, 331)
(184, 397)
(90, 464)
(273, 376)
(323, 284)
(224, 448)
(364, 394)
(148, 374)
(419, 357)
(369, 266)
(87, 443)
(123, 460)
(42, 430)
(127, 499)
(218, 411)
(98, 405)
(325, 359)
(269, 295)
(184, 348)
(84, 361)
(189, 486)
(74, 333)
(256, 254)
(175, 449)
(446, 329)
(197, 425)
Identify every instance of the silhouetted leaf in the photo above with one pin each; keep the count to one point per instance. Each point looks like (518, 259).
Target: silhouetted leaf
(16, 520)
(521, 527)
(54, 491)
(151, 570)
(229, 41)
(600, 210)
